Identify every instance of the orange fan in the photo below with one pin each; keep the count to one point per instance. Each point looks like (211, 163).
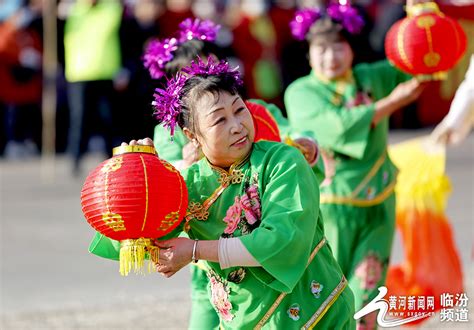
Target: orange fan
(134, 197)
(431, 264)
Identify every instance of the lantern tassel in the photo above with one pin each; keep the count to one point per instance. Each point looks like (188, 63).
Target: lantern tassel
(133, 253)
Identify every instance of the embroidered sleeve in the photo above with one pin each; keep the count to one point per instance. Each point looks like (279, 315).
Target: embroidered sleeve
(283, 242)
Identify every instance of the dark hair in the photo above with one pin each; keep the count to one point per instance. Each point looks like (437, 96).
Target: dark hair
(187, 52)
(325, 30)
(198, 86)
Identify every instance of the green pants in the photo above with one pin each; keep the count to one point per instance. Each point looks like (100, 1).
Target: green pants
(361, 239)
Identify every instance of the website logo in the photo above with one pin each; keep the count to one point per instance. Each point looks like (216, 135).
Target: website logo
(400, 310)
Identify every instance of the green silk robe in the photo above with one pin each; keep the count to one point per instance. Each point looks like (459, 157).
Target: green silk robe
(202, 313)
(357, 201)
(327, 112)
(270, 201)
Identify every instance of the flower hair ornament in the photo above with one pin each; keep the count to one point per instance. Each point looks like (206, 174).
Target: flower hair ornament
(159, 52)
(344, 14)
(167, 102)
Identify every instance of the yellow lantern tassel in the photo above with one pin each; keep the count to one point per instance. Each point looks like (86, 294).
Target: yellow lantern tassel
(133, 253)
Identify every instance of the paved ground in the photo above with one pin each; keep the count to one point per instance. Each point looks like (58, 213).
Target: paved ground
(49, 281)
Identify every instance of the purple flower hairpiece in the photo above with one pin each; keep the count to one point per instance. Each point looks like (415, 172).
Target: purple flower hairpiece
(212, 68)
(167, 102)
(303, 20)
(346, 15)
(196, 29)
(157, 54)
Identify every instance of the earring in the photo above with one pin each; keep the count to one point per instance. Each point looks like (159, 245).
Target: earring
(196, 143)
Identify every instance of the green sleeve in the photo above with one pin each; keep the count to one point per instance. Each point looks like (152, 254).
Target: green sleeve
(105, 247)
(290, 206)
(379, 78)
(282, 122)
(336, 128)
(169, 150)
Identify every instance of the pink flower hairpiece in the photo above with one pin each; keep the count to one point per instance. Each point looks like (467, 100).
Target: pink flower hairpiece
(159, 53)
(167, 102)
(346, 15)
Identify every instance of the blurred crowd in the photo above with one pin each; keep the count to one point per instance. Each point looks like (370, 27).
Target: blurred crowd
(103, 91)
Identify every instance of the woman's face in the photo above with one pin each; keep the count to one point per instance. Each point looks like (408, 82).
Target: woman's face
(224, 128)
(331, 60)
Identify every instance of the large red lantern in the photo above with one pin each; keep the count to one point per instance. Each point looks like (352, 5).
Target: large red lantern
(425, 44)
(266, 127)
(134, 197)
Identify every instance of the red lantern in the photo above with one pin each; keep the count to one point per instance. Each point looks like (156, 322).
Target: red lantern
(266, 127)
(133, 198)
(425, 44)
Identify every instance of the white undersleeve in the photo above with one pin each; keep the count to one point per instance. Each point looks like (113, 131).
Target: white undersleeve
(232, 253)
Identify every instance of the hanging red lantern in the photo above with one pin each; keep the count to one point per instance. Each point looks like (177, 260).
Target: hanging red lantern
(266, 127)
(134, 197)
(425, 44)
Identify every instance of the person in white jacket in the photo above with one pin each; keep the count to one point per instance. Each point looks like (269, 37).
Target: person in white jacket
(459, 121)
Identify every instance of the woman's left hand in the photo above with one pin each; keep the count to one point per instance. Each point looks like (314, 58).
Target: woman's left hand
(143, 142)
(174, 254)
(309, 148)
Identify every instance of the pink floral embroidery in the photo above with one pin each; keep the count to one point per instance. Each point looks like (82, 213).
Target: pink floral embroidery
(329, 167)
(250, 203)
(369, 271)
(232, 217)
(253, 192)
(220, 299)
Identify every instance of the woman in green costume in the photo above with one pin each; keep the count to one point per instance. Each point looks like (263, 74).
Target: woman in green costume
(182, 153)
(253, 215)
(346, 109)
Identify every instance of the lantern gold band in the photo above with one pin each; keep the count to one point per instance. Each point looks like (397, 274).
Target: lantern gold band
(145, 242)
(421, 8)
(129, 149)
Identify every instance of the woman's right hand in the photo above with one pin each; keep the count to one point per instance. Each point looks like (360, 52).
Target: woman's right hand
(402, 95)
(406, 92)
(144, 142)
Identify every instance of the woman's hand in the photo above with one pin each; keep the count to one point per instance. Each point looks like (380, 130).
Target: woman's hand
(144, 142)
(173, 255)
(407, 92)
(402, 95)
(308, 147)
